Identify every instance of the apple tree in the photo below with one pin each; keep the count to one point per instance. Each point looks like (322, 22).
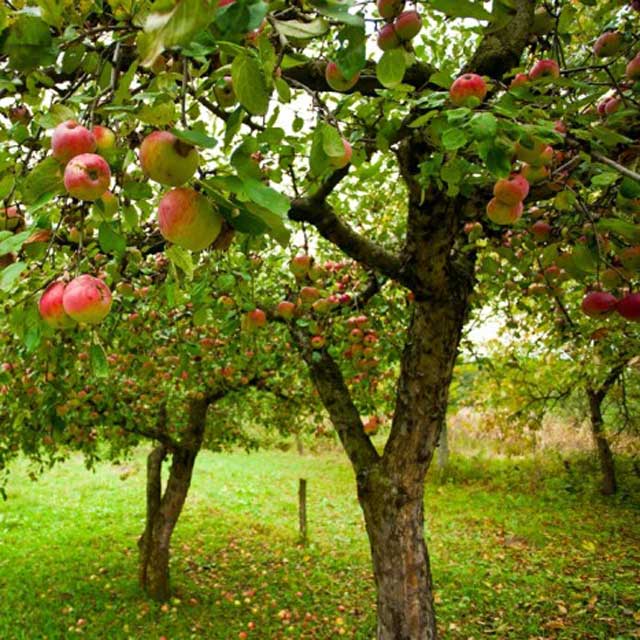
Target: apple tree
(264, 118)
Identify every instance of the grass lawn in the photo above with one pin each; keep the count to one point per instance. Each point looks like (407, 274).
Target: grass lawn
(518, 551)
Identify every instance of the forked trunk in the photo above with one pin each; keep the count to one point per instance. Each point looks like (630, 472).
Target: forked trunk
(163, 509)
(609, 484)
(155, 541)
(394, 520)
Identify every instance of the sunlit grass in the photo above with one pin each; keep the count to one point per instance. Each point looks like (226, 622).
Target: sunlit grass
(518, 551)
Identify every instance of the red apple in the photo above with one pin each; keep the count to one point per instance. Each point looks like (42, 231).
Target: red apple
(336, 80)
(629, 307)
(608, 44)
(300, 266)
(71, 139)
(407, 25)
(87, 299)
(468, 90)
(520, 80)
(633, 68)
(308, 295)
(167, 159)
(511, 190)
(545, 69)
(342, 161)
(541, 230)
(51, 308)
(87, 176)
(387, 38)
(598, 304)
(630, 258)
(502, 213)
(188, 219)
(389, 9)
(253, 320)
(10, 219)
(20, 114)
(286, 309)
(317, 342)
(609, 105)
(105, 138)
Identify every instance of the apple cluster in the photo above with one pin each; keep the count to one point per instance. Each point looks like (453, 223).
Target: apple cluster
(544, 70)
(599, 304)
(401, 26)
(185, 216)
(86, 173)
(84, 300)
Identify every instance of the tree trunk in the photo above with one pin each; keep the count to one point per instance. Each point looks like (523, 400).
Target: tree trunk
(605, 455)
(394, 520)
(163, 512)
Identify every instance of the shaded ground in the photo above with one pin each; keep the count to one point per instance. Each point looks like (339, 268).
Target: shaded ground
(518, 552)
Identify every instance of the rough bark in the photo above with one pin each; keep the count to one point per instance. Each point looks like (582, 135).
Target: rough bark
(394, 516)
(163, 512)
(609, 484)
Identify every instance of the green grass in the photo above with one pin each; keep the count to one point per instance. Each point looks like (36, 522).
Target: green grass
(518, 551)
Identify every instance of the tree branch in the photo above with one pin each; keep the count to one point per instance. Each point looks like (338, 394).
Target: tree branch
(500, 49)
(322, 216)
(618, 167)
(334, 393)
(312, 76)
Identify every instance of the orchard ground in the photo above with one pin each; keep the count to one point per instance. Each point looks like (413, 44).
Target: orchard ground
(521, 549)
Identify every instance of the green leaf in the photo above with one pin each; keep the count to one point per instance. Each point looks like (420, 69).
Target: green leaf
(6, 185)
(626, 230)
(497, 158)
(299, 30)
(196, 138)
(274, 223)
(29, 43)
(138, 190)
(453, 139)
(182, 259)
(391, 68)
(283, 89)
(163, 30)
(123, 93)
(338, 11)
(332, 143)
(110, 241)
(351, 56)
(9, 275)
(605, 179)
(266, 197)
(98, 360)
(462, 9)
(249, 84)
(484, 126)
(13, 243)
(630, 188)
(158, 115)
(240, 18)
(44, 179)
(318, 159)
